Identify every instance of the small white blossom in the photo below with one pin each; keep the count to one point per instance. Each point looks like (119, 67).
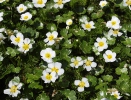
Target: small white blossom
(104, 99)
(127, 3)
(25, 46)
(13, 89)
(39, 3)
(21, 8)
(17, 39)
(50, 40)
(47, 55)
(69, 22)
(60, 3)
(83, 83)
(1, 1)
(88, 25)
(101, 44)
(103, 3)
(114, 33)
(114, 23)
(48, 77)
(89, 64)
(109, 56)
(55, 67)
(26, 16)
(76, 62)
(116, 94)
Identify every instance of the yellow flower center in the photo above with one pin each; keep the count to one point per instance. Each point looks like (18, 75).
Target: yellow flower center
(17, 39)
(76, 62)
(60, 2)
(13, 89)
(26, 46)
(48, 77)
(55, 69)
(88, 63)
(113, 22)
(39, 1)
(87, 25)
(81, 84)
(21, 9)
(48, 55)
(25, 17)
(101, 44)
(116, 95)
(128, 2)
(69, 23)
(103, 4)
(51, 37)
(115, 31)
(109, 56)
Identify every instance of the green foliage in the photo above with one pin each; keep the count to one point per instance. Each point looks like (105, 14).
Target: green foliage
(42, 96)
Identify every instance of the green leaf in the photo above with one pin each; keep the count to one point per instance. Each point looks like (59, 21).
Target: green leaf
(92, 79)
(118, 1)
(51, 27)
(70, 94)
(16, 70)
(35, 85)
(43, 96)
(85, 47)
(79, 32)
(107, 78)
(16, 79)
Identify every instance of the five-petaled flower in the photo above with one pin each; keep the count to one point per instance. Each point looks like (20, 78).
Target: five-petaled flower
(50, 40)
(81, 83)
(13, 89)
(21, 8)
(109, 56)
(48, 77)
(103, 3)
(116, 94)
(88, 25)
(114, 33)
(39, 3)
(127, 3)
(17, 39)
(114, 23)
(60, 3)
(26, 16)
(89, 64)
(76, 62)
(55, 67)
(101, 44)
(25, 46)
(47, 55)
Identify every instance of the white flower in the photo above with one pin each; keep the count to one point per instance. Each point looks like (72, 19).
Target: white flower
(103, 3)
(89, 64)
(13, 89)
(116, 94)
(17, 39)
(83, 83)
(21, 8)
(39, 3)
(26, 16)
(69, 22)
(88, 25)
(114, 23)
(101, 44)
(55, 67)
(25, 46)
(1, 16)
(83, 19)
(2, 30)
(47, 54)
(50, 40)
(76, 62)
(24, 99)
(109, 56)
(1, 1)
(2, 38)
(60, 3)
(127, 3)
(48, 77)
(114, 33)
